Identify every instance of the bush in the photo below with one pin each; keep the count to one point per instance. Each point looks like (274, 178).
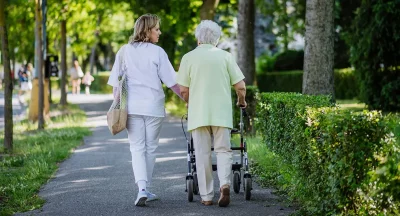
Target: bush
(289, 60)
(265, 63)
(345, 163)
(375, 42)
(291, 81)
(346, 85)
(99, 85)
(280, 120)
(342, 148)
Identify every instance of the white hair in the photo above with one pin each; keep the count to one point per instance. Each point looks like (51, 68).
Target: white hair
(208, 32)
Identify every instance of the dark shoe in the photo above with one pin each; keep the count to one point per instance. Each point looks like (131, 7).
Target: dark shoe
(224, 199)
(207, 203)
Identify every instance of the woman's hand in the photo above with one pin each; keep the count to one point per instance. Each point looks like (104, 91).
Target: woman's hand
(242, 105)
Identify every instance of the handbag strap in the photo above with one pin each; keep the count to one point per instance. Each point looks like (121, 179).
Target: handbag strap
(122, 64)
(122, 83)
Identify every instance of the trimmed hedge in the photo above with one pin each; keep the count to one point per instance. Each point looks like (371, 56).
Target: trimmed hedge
(346, 163)
(99, 84)
(291, 81)
(288, 60)
(280, 121)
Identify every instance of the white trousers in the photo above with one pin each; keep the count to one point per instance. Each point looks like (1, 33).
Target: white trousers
(202, 139)
(143, 135)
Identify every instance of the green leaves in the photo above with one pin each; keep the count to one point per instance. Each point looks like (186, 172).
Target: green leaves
(346, 163)
(375, 40)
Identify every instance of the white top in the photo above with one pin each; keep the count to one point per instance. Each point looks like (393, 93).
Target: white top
(147, 65)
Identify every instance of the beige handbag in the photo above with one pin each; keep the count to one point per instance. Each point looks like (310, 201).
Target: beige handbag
(117, 115)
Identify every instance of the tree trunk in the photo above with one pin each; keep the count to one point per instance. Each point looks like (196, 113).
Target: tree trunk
(93, 53)
(318, 51)
(207, 10)
(92, 58)
(245, 47)
(8, 86)
(39, 63)
(285, 27)
(63, 100)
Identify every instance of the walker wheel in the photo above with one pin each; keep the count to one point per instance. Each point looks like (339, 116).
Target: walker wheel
(195, 184)
(236, 182)
(189, 185)
(247, 188)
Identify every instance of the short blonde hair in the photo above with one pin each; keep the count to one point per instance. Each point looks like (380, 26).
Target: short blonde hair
(208, 32)
(143, 26)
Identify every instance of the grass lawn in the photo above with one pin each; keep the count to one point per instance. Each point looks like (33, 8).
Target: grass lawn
(353, 105)
(36, 157)
(269, 169)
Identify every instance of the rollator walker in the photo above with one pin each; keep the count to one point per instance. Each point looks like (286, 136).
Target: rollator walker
(240, 170)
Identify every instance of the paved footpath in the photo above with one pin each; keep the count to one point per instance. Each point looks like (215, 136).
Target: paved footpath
(98, 179)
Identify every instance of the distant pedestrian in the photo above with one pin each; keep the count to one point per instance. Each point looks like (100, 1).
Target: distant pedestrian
(76, 74)
(25, 81)
(87, 81)
(31, 70)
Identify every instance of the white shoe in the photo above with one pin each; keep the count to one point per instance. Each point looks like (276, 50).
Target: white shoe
(151, 196)
(141, 199)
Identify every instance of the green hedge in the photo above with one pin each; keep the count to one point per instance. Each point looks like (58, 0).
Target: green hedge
(99, 85)
(290, 81)
(288, 60)
(345, 83)
(280, 121)
(346, 163)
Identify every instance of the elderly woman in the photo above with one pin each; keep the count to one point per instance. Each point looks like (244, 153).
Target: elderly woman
(205, 76)
(146, 64)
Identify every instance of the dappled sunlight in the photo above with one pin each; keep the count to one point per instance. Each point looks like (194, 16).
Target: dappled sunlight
(96, 113)
(90, 99)
(176, 187)
(80, 181)
(88, 149)
(97, 168)
(178, 152)
(164, 159)
(109, 142)
(166, 140)
(170, 177)
(97, 121)
(122, 140)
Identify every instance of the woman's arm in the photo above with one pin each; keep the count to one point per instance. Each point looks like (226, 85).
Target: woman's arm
(240, 89)
(177, 90)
